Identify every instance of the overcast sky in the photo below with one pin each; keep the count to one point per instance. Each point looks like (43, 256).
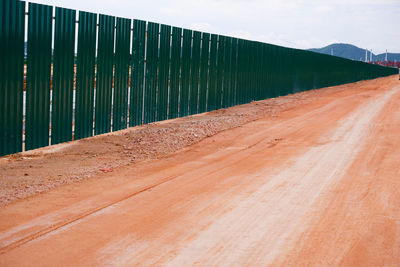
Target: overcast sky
(372, 24)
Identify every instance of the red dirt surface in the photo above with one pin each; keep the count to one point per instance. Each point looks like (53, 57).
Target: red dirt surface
(306, 179)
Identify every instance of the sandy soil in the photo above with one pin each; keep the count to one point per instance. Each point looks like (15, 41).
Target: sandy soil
(306, 179)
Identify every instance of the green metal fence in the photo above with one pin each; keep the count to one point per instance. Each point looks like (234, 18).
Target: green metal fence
(128, 72)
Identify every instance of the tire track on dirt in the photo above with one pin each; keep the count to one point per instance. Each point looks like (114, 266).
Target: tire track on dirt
(279, 216)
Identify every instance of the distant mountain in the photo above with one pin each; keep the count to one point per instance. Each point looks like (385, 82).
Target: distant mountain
(353, 52)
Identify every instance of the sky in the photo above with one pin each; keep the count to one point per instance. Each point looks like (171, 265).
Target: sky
(371, 24)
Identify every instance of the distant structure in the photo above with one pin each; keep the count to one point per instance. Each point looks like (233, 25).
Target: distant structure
(362, 54)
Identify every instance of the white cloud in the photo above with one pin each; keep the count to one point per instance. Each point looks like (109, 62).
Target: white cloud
(295, 23)
(203, 27)
(324, 9)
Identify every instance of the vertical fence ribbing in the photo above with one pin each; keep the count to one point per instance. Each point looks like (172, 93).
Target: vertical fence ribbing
(212, 88)
(137, 75)
(63, 76)
(104, 76)
(151, 72)
(38, 76)
(162, 96)
(12, 24)
(194, 73)
(121, 76)
(175, 72)
(185, 72)
(85, 75)
(220, 71)
(204, 72)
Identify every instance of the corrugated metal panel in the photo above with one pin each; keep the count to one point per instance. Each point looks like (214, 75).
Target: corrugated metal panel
(269, 66)
(137, 76)
(302, 71)
(263, 74)
(63, 76)
(205, 46)
(274, 71)
(261, 81)
(248, 71)
(285, 73)
(266, 73)
(239, 93)
(252, 70)
(220, 71)
(175, 72)
(226, 97)
(194, 73)
(256, 70)
(104, 78)
(258, 55)
(290, 71)
(234, 70)
(245, 85)
(185, 73)
(38, 76)
(251, 74)
(232, 76)
(12, 24)
(121, 80)
(247, 66)
(85, 75)
(163, 77)
(246, 79)
(212, 88)
(151, 72)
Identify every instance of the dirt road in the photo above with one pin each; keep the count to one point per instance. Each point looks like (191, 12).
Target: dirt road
(314, 184)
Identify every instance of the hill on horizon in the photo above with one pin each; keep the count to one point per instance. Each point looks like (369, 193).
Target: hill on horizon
(353, 52)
